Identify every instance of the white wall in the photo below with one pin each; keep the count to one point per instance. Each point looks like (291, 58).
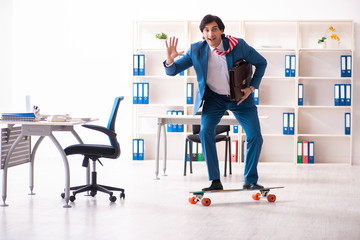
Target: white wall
(75, 56)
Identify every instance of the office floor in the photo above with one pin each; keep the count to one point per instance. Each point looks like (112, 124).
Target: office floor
(318, 202)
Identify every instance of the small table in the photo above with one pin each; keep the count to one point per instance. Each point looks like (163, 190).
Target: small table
(180, 119)
(43, 129)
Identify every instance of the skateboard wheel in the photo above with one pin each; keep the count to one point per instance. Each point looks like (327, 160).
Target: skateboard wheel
(192, 200)
(256, 196)
(271, 198)
(206, 201)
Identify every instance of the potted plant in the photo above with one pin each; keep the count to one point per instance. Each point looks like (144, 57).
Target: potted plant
(329, 32)
(162, 36)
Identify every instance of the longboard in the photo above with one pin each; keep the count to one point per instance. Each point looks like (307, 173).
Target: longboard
(198, 196)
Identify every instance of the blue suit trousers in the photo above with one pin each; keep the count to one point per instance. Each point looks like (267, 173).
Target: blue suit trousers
(246, 114)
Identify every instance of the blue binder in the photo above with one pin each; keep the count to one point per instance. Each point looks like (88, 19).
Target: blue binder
(135, 149)
(236, 129)
(135, 93)
(256, 96)
(348, 65)
(301, 94)
(342, 95)
(291, 123)
(337, 94)
(343, 65)
(287, 66)
(145, 93)
(141, 64)
(347, 124)
(347, 94)
(174, 126)
(292, 65)
(180, 127)
(285, 123)
(140, 93)
(311, 152)
(169, 127)
(141, 149)
(135, 64)
(189, 93)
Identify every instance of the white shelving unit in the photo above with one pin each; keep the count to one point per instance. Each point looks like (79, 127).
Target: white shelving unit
(318, 69)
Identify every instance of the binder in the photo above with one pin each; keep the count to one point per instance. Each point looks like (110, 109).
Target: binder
(348, 65)
(347, 123)
(188, 152)
(347, 94)
(141, 64)
(169, 127)
(342, 95)
(141, 149)
(301, 94)
(287, 66)
(200, 156)
(291, 123)
(174, 126)
(135, 64)
(337, 94)
(180, 127)
(234, 151)
(135, 149)
(292, 65)
(135, 93)
(285, 123)
(311, 152)
(343, 65)
(299, 152)
(305, 152)
(256, 96)
(236, 129)
(145, 93)
(193, 150)
(140, 93)
(189, 93)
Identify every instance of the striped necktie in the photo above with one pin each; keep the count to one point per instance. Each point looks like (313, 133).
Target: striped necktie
(232, 43)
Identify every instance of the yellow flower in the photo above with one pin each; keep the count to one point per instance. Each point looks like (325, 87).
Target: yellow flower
(335, 37)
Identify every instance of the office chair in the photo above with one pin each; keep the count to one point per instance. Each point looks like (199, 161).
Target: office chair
(96, 151)
(219, 137)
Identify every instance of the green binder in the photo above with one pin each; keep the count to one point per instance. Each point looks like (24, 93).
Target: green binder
(299, 152)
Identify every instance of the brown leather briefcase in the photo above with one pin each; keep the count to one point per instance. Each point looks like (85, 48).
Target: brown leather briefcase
(240, 78)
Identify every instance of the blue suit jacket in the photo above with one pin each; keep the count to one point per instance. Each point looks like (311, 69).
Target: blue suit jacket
(197, 56)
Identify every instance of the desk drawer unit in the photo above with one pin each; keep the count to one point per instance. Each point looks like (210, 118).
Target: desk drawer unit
(21, 153)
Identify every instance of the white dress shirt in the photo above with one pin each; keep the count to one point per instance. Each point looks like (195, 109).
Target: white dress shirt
(217, 72)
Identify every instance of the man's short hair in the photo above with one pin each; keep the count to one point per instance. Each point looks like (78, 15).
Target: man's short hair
(209, 19)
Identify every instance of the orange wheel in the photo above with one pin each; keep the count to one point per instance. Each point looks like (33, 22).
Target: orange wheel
(192, 200)
(271, 198)
(256, 196)
(206, 201)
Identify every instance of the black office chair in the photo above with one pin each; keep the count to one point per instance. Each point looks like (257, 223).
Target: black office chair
(219, 137)
(96, 151)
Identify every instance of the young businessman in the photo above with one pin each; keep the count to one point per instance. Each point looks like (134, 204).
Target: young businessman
(212, 59)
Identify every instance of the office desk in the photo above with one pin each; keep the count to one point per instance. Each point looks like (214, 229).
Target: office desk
(179, 119)
(42, 129)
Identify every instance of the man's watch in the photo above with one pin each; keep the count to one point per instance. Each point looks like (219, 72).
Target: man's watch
(252, 88)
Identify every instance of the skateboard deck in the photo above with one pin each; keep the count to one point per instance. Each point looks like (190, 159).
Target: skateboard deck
(198, 196)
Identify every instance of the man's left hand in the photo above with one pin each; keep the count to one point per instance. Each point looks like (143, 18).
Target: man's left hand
(247, 92)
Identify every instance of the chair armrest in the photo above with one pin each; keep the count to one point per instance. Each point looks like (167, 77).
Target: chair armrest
(108, 132)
